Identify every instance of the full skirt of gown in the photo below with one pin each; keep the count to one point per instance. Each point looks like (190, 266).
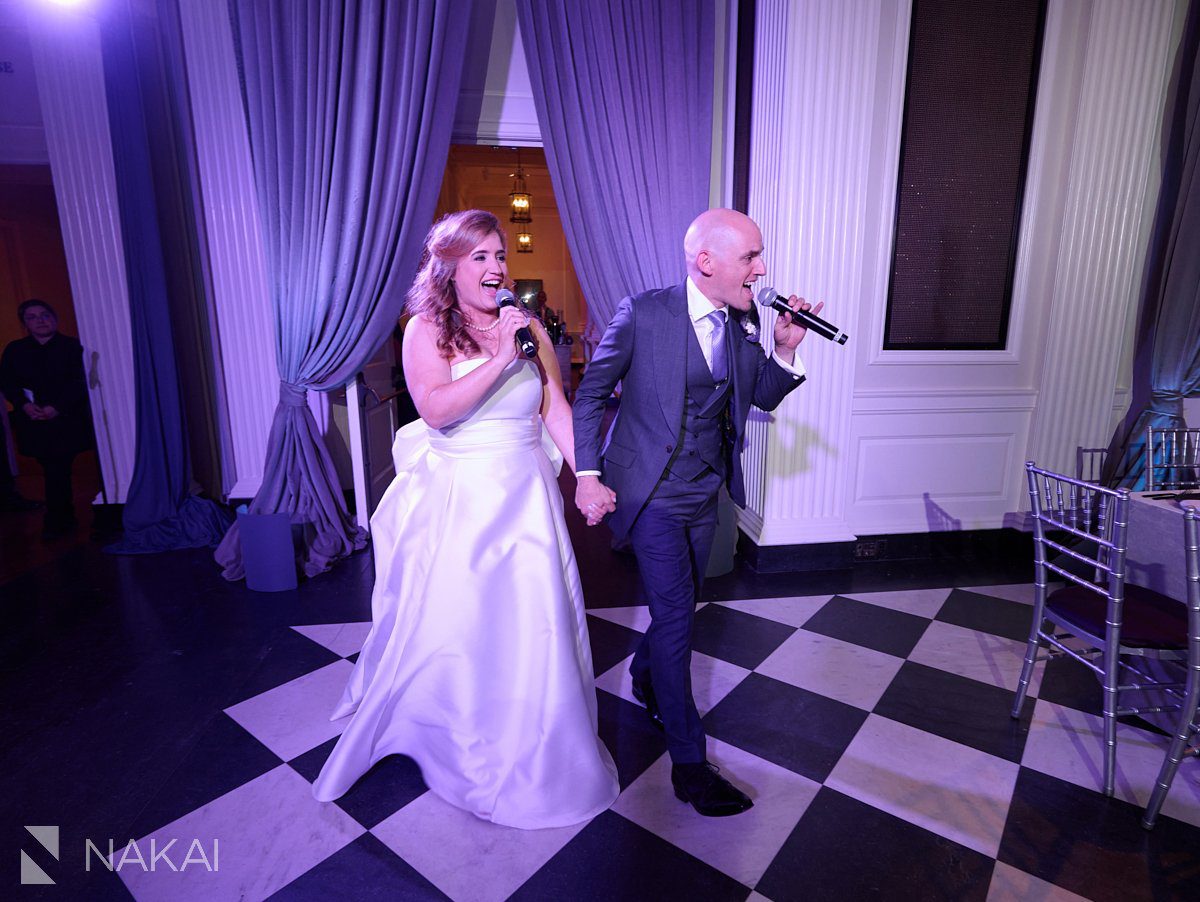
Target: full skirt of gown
(477, 664)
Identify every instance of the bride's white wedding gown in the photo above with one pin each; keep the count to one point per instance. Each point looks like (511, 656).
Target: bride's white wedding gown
(477, 664)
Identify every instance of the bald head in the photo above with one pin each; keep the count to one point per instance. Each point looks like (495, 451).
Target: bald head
(723, 249)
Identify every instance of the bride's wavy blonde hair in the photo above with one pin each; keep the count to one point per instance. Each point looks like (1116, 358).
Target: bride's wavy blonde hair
(432, 294)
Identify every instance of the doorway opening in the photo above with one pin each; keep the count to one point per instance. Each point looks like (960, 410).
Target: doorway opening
(483, 178)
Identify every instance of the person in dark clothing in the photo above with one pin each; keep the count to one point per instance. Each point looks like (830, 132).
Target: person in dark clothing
(11, 501)
(42, 377)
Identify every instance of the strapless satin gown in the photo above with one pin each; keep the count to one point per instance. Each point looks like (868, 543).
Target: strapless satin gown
(478, 664)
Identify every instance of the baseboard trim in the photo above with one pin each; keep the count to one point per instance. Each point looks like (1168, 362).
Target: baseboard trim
(930, 546)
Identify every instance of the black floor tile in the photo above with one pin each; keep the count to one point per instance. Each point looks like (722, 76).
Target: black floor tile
(611, 643)
(100, 765)
(797, 729)
(223, 757)
(998, 616)
(736, 637)
(633, 741)
(1095, 846)
(956, 708)
(613, 858)
(1067, 682)
(892, 632)
(845, 849)
(114, 672)
(382, 791)
(288, 655)
(364, 869)
(73, 879)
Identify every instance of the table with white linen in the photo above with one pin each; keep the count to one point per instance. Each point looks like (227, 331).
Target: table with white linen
(1156, 561)
(1155, 540)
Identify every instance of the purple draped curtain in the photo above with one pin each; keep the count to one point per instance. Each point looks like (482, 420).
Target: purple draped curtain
(160, 512)
(623, 90)
(349, 105)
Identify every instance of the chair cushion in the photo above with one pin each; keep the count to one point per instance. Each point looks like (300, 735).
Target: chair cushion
(1149, 619)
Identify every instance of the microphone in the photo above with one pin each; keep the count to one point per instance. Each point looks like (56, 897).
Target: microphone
(767, 297)
(505, 298)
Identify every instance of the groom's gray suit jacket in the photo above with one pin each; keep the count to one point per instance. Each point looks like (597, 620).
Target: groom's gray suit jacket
(645, 348)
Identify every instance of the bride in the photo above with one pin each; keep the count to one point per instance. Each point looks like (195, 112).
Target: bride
(477, 664)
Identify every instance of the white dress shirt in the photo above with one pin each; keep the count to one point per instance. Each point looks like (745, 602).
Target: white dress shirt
(699, 307)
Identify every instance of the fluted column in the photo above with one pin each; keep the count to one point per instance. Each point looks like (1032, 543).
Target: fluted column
(244, 325)
(70, 77)
(815, 74)
(1112, 181)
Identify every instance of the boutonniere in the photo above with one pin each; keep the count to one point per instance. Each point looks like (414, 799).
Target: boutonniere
(750, 328)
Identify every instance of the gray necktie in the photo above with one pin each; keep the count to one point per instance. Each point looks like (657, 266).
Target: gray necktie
(720, 356)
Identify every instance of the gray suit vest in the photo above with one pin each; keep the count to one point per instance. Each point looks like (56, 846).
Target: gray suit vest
(700, 444)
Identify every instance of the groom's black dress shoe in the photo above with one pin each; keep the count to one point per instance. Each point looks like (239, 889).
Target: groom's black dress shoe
(707, 791)
(644, 693)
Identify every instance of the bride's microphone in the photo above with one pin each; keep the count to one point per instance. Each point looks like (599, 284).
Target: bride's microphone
(505, 298)
(767, 297)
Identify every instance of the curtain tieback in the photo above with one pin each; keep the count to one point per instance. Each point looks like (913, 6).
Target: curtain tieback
(293, 395)
(1167, 401)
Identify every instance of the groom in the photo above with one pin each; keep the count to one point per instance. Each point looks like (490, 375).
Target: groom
(689, 376)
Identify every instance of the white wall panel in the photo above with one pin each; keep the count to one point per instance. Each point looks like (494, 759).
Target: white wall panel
(944, 469)
(814, 166)
(891, 441)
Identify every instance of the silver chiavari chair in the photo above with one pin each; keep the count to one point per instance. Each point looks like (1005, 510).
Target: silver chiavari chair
(1172, 459)
(1079, 536)
(1089, 463)
(1186, 726)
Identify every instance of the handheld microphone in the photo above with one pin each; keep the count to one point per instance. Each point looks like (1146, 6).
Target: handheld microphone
(505, 298)
(767, 297)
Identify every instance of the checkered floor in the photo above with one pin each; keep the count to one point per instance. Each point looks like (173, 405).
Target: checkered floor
(872, 731)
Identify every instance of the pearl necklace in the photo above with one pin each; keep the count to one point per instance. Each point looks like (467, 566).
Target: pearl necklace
(476, 328)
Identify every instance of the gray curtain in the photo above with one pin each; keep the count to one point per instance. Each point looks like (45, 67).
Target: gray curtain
(623, 90)
(1167, 365)
(161, 512)
(349, 105)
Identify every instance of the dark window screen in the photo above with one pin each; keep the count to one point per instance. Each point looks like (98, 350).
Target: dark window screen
(968, 111)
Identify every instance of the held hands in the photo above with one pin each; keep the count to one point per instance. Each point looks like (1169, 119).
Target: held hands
(594, 499)
(789, 334)
(34, 412)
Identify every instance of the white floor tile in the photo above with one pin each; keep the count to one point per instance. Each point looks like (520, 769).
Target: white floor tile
(1069, 744)
(957, 792)
(1022, 592)
(293, 718)
(340, 638)
(267, 833)
(1010, 884)
(840, 670)
(741, 846)
(973, 654)
(636, 617)
(465, 857)
(791, 611)
(922, 602)
(712, 680)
